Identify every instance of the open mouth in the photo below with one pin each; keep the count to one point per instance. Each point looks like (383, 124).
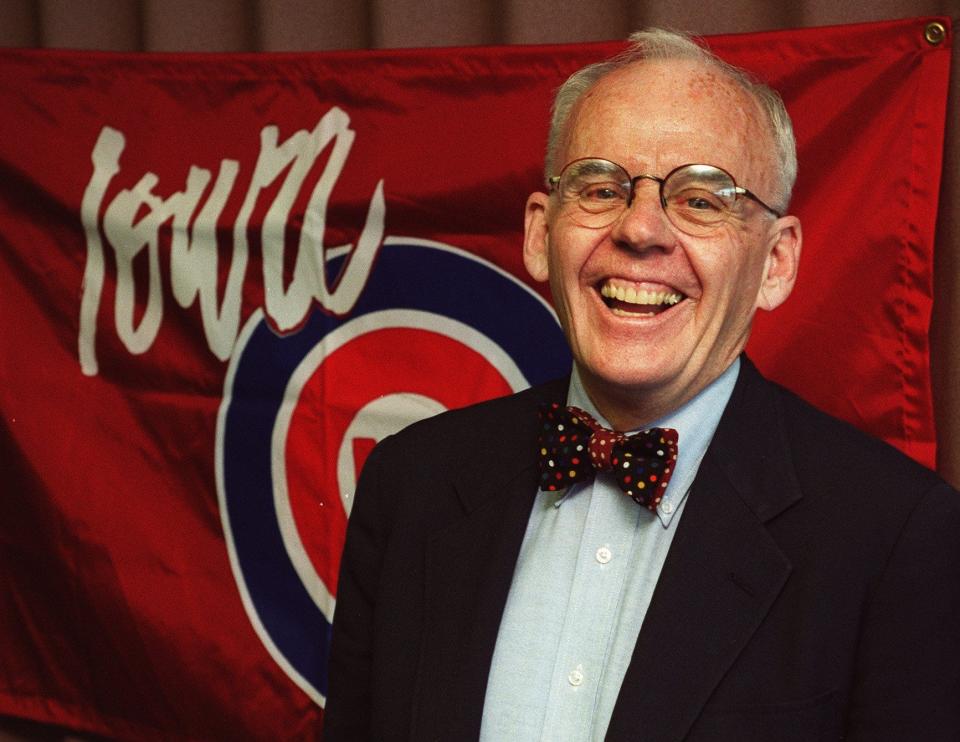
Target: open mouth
(626, 300)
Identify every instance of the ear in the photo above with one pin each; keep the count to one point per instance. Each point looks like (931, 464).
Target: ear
(783, 259)
(536, 237)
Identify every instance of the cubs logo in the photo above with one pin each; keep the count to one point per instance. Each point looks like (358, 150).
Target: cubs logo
(435, 328)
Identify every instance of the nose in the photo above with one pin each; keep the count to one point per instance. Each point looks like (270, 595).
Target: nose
(643, 225)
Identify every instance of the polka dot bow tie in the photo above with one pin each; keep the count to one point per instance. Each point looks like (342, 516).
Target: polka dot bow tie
(573, 446)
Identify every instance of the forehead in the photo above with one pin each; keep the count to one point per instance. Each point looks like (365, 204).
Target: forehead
(654, 115)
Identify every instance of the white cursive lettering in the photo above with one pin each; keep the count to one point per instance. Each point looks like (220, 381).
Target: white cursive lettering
(133, 219)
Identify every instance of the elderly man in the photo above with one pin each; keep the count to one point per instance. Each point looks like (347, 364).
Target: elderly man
(664, 546)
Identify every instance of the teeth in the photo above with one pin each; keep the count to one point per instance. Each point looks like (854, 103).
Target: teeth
(633, 296)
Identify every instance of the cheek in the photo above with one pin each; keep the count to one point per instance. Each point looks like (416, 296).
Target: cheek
(561, 285)
(557, 276)
(744, 284)
(566, 257)
(729, 272)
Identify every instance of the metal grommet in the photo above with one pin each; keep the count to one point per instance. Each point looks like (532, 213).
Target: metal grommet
(934, 32)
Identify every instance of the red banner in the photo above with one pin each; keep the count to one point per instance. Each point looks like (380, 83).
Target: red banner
(224, 277)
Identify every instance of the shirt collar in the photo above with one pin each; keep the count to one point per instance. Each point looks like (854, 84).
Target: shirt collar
(695, 422)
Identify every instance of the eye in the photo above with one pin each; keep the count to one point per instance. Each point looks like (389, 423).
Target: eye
(605, 192)
(698, 203)
(698, 200)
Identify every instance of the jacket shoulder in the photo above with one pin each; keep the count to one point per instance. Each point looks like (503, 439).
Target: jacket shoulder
(820, 441)
(779, 449)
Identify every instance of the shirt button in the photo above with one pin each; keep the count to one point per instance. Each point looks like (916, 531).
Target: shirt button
(667, 508)
(604, 555)
(575, 677)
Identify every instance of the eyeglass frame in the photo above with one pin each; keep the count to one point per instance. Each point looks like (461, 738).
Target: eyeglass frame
(554, 180)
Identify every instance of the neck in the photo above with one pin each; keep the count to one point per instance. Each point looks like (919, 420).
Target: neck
(625, 410)
(628, 408)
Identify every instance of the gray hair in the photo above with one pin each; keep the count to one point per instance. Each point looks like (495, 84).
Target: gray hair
(660, 44)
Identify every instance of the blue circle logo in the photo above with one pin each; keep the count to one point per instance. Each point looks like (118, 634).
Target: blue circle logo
(434, 328)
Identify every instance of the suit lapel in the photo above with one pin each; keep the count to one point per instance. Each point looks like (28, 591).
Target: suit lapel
(722, 574)
(469, 570)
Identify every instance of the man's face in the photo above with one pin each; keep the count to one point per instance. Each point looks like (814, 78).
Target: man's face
(640, 361)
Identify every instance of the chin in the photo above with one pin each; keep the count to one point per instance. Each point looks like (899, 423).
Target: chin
(633, 376)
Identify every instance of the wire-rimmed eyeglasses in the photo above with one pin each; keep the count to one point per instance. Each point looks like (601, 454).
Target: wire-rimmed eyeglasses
(695, 198)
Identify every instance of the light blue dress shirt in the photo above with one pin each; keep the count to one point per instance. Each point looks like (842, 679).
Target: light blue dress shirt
(587, 569)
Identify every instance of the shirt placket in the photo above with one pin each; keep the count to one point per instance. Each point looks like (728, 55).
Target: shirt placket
(591, 614)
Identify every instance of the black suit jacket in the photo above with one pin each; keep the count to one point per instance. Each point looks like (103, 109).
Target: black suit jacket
(812, 590)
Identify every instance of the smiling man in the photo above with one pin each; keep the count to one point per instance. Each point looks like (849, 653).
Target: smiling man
(620, 243)
(664, 546)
